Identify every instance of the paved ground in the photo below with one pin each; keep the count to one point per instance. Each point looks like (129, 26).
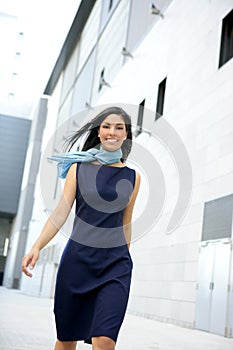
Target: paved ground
(26, 323)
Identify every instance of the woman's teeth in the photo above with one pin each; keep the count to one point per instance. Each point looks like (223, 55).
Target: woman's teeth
(111, 140)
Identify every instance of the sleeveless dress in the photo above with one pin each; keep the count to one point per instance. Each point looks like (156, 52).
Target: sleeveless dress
(94, 275)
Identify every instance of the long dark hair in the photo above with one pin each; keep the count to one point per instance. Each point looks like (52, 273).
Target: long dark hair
(91, 129)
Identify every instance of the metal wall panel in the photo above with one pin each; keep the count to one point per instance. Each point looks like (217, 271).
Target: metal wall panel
(141, 20)
(108, 7)
(217, 218)
(14, 135)
(89, 35)
(69, 74)
(83, 86)
(62, 124)
(111, 42)
(64, 112)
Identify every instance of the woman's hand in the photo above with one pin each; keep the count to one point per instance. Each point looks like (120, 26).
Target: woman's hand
(30, 260)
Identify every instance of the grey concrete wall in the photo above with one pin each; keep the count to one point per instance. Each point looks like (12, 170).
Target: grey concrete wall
(19, 232)
(14, 135)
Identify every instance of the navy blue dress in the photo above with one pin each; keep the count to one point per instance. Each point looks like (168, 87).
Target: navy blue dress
(94, 275)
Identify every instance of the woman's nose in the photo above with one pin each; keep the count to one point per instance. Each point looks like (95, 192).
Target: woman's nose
(112, 130)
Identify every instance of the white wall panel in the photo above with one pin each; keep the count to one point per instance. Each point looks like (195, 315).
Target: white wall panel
(83, 86)
(110, 46)
(141, 20)
(62, 124)
(69, 73)
(64, 112)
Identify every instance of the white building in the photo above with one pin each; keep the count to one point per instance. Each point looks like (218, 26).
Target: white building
(180, 74)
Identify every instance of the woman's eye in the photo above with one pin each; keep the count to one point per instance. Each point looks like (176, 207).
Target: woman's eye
(107, 127)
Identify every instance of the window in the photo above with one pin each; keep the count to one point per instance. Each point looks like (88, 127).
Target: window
(17, 56)
(101, 79)
(13, 76)
(11, 96)
(217, 222)
(20, 35)
(226, 50)
(110, 5)
(140, 118)
(160, 99)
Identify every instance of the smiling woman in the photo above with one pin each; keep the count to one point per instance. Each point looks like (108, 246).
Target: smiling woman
(112, 123)
(94, 275)
(112, 132)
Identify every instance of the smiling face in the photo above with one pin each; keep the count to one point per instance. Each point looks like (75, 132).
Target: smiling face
(112, 132)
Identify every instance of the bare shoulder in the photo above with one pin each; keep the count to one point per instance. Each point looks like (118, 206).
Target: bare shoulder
(73, 168)
(136, 185)
(71, 175)
(137, 180)
(138, 176)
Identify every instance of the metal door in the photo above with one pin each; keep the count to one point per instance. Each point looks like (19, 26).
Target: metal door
(221, 270)
(213, 287)
(204, 288)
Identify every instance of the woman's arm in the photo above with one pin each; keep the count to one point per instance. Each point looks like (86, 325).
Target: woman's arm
(54, 222)
(127, 217)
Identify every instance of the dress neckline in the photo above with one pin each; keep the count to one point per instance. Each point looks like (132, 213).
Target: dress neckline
(108, 166)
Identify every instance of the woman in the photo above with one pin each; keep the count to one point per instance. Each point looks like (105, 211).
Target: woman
(94, 274)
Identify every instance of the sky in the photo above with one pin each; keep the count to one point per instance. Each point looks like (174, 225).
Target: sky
(32, 34)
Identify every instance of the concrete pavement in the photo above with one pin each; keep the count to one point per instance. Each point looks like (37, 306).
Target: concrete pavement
(27, 323)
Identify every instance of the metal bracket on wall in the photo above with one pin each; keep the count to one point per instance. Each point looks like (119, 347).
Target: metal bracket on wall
(211, 286)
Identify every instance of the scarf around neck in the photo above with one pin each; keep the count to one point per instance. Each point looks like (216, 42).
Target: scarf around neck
(67, 159)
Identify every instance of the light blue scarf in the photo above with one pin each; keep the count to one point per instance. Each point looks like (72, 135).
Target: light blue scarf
(67, 159)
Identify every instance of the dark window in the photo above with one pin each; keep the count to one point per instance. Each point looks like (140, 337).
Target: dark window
(20, 35)
(101, 79)
(140, 118)
(160, 99)
(226, 51)
(217, 222)
(17, 56)
(110, 5)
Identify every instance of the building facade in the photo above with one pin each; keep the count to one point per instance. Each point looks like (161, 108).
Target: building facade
(167, 61)
(14, 135)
